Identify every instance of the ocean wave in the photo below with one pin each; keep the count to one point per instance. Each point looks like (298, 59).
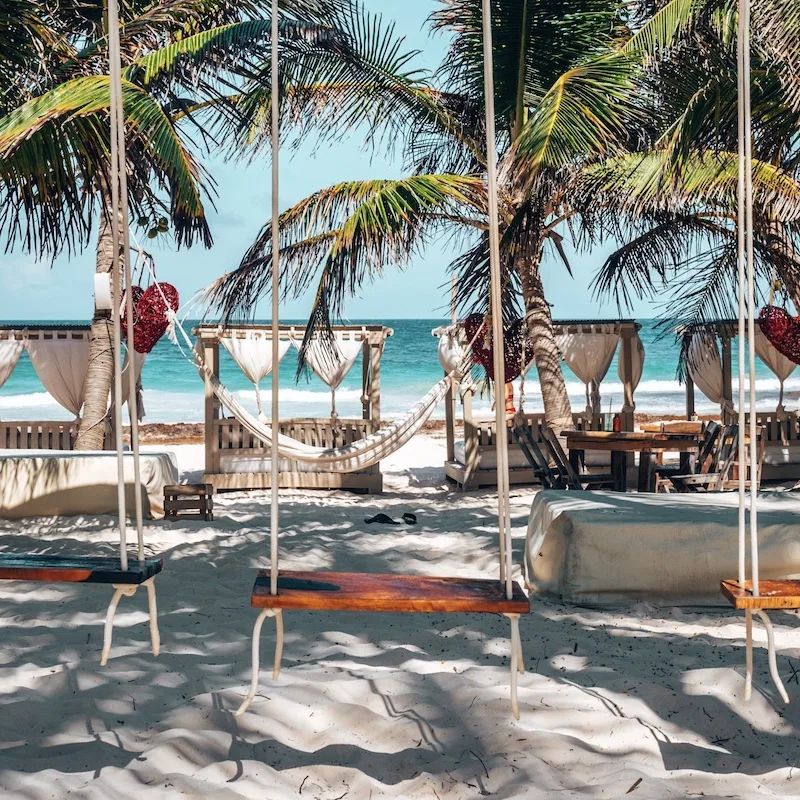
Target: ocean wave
(31, 400)
(301, 395)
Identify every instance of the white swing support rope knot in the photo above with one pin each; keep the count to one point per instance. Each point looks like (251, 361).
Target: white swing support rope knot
(129, 590)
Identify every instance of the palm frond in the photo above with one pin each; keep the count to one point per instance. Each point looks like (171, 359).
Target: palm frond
(54, 156)
(582, 116)
(345, 236)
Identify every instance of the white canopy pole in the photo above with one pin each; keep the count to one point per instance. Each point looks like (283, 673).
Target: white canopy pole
(744, 12)
(503, 503)
(115, 80)
(274, 509)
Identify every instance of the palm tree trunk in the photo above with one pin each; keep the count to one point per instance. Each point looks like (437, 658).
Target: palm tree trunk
(100, 374)
(557, 409)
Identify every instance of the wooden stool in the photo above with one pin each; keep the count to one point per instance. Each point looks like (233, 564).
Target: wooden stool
(189, 501)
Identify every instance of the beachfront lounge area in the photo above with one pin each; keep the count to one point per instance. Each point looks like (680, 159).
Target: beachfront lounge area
(237, 459)
(600, 634)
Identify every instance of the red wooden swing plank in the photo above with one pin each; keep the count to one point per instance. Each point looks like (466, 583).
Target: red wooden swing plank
(349, 591)
(47, 568)
(772, 594)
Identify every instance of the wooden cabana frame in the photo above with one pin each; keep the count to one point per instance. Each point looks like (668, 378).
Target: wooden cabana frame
(781, 430)
(42, 434)
(226, 437)
(480, 435)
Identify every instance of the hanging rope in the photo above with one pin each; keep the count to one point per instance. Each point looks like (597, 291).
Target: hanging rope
(503, 502)
(276, 248)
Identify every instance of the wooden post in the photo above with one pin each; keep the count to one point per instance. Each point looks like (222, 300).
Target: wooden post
(450, 422)
(375, 384)
(365, 391)
(212, 407)
(470, 439)
(690, 415)
(628, 403)
(727, 379)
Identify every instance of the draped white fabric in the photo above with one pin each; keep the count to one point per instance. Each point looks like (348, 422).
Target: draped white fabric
(331, 367)
(61, 365)
(781, 366)
(637, 367)
(10, 351)
(357, 456)
(253, 354)
(589, 355)
(705, 369)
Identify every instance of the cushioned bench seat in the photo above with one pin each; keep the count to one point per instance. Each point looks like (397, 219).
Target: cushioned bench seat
(49, 483)
(609, 549)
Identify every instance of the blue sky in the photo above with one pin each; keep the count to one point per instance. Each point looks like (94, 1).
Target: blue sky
(30, 290)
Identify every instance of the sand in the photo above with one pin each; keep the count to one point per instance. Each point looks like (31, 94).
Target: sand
(644, 703)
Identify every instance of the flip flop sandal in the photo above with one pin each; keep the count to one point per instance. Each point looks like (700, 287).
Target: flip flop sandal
(383, 519)
(409, 518)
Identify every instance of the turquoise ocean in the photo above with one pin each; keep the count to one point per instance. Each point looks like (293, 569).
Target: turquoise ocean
(173, 391)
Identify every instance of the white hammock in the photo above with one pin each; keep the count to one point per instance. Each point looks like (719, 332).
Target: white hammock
(351, 458)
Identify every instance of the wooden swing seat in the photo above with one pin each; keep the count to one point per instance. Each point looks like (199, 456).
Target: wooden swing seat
(76, 569)
(356, 591)
(772, 594)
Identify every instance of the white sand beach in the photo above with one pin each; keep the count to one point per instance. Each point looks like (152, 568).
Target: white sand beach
(643, 702)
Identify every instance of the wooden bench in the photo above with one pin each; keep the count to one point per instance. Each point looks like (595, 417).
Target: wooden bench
(46, 568)
(189, 501)
(349, 591)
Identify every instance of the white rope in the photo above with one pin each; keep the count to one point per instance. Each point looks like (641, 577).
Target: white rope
(746, 265)
(741, 276)
(751, 355)
(503, 502)
(118, 208)
(274, 507)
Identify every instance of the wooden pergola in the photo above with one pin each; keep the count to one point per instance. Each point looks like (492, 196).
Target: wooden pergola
(227, 441)
(480, 435)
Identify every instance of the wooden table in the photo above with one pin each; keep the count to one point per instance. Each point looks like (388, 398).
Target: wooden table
(620, 444)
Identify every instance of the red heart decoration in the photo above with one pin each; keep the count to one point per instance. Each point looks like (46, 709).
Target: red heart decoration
(782, 330)
(150, 319)
(515, 340)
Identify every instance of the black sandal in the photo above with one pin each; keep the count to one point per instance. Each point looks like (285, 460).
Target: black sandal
(409, 518)
(383, 519)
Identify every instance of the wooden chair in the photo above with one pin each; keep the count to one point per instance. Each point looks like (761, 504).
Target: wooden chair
(712, 473)
(705, 451)
(553, 468)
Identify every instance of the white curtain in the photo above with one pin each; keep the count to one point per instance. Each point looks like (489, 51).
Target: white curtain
(781, 366)
(331, 367)
(61, 365)
(705, 370)
(589, 355)
(10, 351)
(253, 354)
(637, 367)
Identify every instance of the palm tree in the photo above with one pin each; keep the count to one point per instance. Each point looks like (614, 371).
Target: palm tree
(601, 111)
(183, 64)
(563, 77)
(676, 207)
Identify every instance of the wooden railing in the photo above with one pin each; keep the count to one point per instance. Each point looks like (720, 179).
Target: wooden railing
(485, 431)
(38, 435)
(231, 438)
(785, 429)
